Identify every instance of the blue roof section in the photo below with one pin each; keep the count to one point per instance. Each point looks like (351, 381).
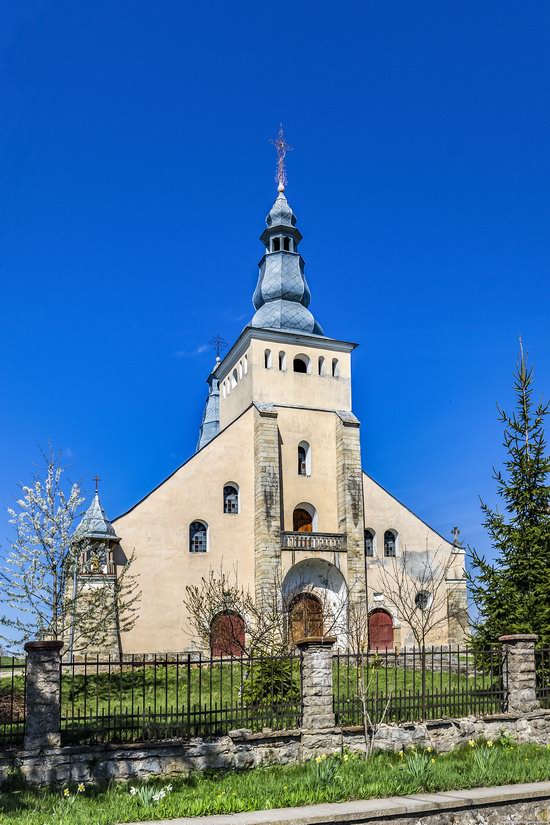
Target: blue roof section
(210, 425)
(282, 296)
(95, 524)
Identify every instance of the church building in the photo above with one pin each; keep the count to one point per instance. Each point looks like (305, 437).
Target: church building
(275, 491)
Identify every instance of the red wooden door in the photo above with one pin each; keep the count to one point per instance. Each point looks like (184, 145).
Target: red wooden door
(380, 630)
(302, 521)
(227, 635)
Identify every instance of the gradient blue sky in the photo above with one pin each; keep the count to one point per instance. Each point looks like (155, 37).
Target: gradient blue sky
(135, 174)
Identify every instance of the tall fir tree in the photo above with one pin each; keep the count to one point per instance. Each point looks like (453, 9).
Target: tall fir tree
(512, 594)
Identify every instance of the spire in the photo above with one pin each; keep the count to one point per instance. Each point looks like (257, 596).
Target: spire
(95, 524)
(282, 296)
(210, 425)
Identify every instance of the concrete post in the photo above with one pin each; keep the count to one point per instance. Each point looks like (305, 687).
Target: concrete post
(319, 734)
(43, 695)
(519, 671)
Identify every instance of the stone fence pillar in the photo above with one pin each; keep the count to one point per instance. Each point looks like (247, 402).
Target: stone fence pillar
(319, 734)
(42, 696)
(519, 671)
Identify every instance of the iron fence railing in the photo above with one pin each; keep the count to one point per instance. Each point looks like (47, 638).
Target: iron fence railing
(12, 700)
(411, 686)
(106, 700)
(542, 665)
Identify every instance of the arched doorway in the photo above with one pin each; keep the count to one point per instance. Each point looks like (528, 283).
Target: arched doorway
(227, 635)
(305, 617)
(380, 630)
(302, 521)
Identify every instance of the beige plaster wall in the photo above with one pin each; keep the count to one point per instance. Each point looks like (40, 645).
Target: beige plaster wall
(319, 489)
(157, 530)
(275, 386)
(384, 512)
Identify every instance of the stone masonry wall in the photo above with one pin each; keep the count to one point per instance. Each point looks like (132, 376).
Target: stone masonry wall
(350, 502)
(267, 500)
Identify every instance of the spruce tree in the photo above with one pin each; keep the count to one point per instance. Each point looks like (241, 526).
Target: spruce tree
(512, 594)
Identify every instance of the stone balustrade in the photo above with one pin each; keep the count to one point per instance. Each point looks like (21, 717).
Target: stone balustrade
(331, 542)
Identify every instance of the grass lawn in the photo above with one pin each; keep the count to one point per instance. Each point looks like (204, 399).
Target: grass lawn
(329, 780)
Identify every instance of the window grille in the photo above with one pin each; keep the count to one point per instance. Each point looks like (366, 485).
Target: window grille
(389, 544)
(197, 537)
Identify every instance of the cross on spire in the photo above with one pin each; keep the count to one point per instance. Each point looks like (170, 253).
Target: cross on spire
(97, 479)
(456, 533)
(218, 344)
(281, 147)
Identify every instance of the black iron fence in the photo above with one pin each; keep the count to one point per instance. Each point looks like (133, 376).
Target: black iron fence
(412, 686)
(12, 700)
(542, 665)
(139, 699)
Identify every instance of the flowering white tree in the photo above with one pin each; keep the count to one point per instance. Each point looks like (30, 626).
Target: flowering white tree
(40, 592)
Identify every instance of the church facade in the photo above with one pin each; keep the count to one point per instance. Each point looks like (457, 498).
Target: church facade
(276, 491)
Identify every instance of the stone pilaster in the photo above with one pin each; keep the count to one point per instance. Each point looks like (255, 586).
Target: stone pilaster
(351, 519)
(43, 695)
(457, 612)
(267, 500)
(319, 734)
(519, 671)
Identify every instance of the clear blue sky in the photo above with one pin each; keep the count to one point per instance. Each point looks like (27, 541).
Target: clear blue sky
(135, 174)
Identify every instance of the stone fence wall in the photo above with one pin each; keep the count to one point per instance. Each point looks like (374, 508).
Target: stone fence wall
(45, 761)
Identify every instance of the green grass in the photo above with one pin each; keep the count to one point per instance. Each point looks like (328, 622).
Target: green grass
(332, 780)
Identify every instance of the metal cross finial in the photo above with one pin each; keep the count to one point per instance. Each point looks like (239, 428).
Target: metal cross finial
(218, 344)
(97, 479)
(456, 533)
(282, 148)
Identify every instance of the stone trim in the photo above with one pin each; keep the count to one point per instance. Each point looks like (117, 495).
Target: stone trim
(520, 804)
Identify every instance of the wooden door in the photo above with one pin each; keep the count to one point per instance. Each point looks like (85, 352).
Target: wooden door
(227, 635)
(306, 617)
(380, 630)
(302, 521)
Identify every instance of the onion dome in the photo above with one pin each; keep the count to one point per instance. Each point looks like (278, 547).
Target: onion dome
(282, 296)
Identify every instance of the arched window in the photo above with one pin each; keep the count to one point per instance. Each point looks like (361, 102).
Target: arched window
(304, 459)
(227, 634)
(267, 359)
(198, 537)
(369, 543)
(301, 363)
(282, 360)
(234, 378)
(276, 245)
(335, 368)
(286, 244)
(321, 365)
(240, 370)
(304, 518)
(231, 498)
(390, 542)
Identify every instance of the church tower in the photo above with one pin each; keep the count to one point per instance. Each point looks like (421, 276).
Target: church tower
(307, 458)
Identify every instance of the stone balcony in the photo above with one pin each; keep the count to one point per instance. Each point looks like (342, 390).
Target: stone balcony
(325, 542)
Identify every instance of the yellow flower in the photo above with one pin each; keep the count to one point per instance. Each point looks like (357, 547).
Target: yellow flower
(66, 793)
(81, 788)
(317, 759)
(432, 760)
(490, 743)
(401, 754)
(429, 749)
(471, 743)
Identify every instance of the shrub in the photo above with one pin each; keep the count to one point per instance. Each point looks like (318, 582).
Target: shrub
(270, 681)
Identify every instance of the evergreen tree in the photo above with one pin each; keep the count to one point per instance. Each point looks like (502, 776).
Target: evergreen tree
(513, 593)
